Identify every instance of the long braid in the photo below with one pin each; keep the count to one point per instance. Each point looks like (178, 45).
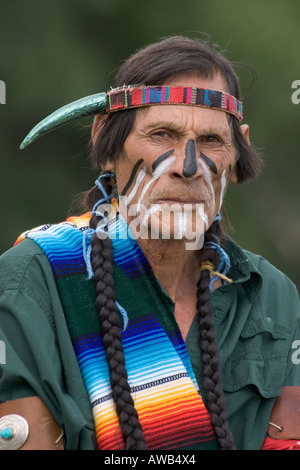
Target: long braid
(102, 264)
(211, 361)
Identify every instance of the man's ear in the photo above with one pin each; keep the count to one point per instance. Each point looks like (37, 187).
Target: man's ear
(97, 125)
(233, 177)
(245, 130)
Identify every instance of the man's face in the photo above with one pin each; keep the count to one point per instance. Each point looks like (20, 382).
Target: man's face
(178, 159)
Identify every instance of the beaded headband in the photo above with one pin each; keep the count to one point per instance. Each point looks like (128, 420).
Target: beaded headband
(133, 97)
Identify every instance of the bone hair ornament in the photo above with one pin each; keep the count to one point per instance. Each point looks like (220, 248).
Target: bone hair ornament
(135, 97)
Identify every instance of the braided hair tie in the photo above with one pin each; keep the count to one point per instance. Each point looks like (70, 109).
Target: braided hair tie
(106, 197)
(207, 265)
(87, 235)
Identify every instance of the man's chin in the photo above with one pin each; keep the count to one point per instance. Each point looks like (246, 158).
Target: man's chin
(155, 229)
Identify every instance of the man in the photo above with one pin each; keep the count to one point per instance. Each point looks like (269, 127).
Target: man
(141, 325)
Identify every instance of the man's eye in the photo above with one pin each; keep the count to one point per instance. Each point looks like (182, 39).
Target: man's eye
(213, 138)
(162, 134)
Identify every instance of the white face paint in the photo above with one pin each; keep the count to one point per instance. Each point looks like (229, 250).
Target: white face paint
(149, 212)
(181, 218)
(139, 180)
(182, 215)
(203, 216)
(223, 186)
(139, 210)
(182, 224)
(159, 171)
(208, 179)
(182, 221)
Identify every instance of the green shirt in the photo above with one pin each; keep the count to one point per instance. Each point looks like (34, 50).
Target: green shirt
(256, 321)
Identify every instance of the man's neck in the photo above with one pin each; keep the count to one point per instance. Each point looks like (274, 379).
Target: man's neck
(176, 268)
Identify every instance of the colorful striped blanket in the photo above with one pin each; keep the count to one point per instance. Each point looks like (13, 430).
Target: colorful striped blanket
(163, 385)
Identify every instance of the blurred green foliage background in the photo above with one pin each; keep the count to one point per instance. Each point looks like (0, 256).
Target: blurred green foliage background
(53, 52)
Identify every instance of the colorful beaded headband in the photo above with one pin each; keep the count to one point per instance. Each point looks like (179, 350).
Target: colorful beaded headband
(126, 98)
(134, 97)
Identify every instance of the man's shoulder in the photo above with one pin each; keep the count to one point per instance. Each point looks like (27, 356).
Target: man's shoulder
(28, 261)
(279, 296)
(271, 284)
(274, 297)
(20, 254)
(269, 272)
(256, 263)
(18, 260)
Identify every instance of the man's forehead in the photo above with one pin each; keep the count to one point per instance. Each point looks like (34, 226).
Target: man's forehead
(196, 79)
(181, 119)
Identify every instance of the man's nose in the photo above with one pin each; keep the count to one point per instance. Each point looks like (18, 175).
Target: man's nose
(187, 165)
(190, 164)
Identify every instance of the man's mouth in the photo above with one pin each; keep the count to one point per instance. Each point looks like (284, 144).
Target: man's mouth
(181, 201)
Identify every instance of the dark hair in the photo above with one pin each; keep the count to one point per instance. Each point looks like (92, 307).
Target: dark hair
(102, 264)
(154, 65)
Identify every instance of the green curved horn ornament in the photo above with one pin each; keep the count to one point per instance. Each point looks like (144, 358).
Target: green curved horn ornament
(93, 104)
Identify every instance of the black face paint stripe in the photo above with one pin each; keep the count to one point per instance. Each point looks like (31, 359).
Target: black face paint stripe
(209, 163)
(190, 162)
(161, 159)
(133, 173)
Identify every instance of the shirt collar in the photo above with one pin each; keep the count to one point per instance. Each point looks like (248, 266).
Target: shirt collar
(243, 269)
